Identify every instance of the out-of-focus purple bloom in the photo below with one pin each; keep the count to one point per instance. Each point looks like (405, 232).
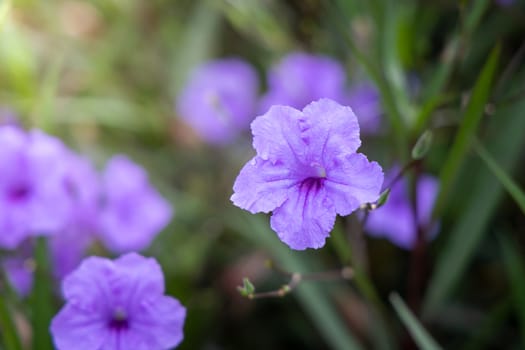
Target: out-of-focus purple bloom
(365, 102)
(505, 2)
(395, 219)
(69, 245)
(219, 99)
(118, 305)
(301, 78)
(306, 171)
(33, 200)
(133, 212)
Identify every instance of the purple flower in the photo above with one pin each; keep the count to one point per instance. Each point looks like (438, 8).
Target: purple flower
(117, 305)
(365, 102)
(306, 171)
(69, 245)
(301, 78)
(133, 212)
(219, 99)
(395, 219)
(33, 200)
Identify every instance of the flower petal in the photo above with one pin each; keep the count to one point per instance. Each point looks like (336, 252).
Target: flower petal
(332, 130)
(262, 186)
(306, 218)
(277, 135)
(352, 181)
(77, 329)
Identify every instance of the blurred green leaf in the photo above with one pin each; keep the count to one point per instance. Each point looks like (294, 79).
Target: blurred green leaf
(422, 145)
(512, 188)
(483, 198)
(316, 303)
(419, 334)
(383, 198)
(198, 40)
(41, 298)
(471, 118)
(515, 266)
(9, 333)
(5, 6)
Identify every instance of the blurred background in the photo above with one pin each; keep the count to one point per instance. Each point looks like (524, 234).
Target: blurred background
(105, 75)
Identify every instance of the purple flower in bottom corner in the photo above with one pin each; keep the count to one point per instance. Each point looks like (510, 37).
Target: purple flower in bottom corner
(133, 212)
(306, 171)
(117, 305)
(395, 219)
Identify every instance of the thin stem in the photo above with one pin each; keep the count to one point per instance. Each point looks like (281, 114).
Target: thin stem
(346, 273)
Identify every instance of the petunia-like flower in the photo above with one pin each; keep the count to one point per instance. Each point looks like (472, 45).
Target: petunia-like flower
(300, 78)
(306, 171)
(364, 100)
(117, 305)
(133, 211)
(219, 99)
(395, 219)
(33, 200)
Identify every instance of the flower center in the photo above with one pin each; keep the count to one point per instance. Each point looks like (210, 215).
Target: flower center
(18, 193)
(320, 171)
(119, 320)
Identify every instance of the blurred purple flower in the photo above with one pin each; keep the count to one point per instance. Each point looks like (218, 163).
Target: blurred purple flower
(365, 101)
(306, 171)
(301, 78)
(8, 117)
(395, 219)
(69, 245)
(118, 305)
(505, 2)
(133, 212)
(219, 99)
(33, 200)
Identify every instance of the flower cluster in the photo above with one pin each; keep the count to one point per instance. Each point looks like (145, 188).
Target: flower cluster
(306, 171)
(220, 98)
(46, 189)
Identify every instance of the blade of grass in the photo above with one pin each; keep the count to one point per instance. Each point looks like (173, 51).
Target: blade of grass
(467, 129)
(512, 188)
(483, 194)
(9, 332)
(314, 301)
(515, 267)
(419, 334)
(41, 303)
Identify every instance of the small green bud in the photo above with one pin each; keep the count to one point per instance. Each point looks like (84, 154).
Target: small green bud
(383, 197)
(247, 289)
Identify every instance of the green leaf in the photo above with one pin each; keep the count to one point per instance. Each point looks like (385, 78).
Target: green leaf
(315, 302)
(467, 129)
(383, 197)
(483, 195)
(422, 145)
(419, 334)
(515, 267)
(512, 188)
(41, 299)
(9, 334)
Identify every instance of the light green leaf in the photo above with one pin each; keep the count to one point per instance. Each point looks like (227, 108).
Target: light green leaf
(467, 129)
(419, 334)
(512, 188)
